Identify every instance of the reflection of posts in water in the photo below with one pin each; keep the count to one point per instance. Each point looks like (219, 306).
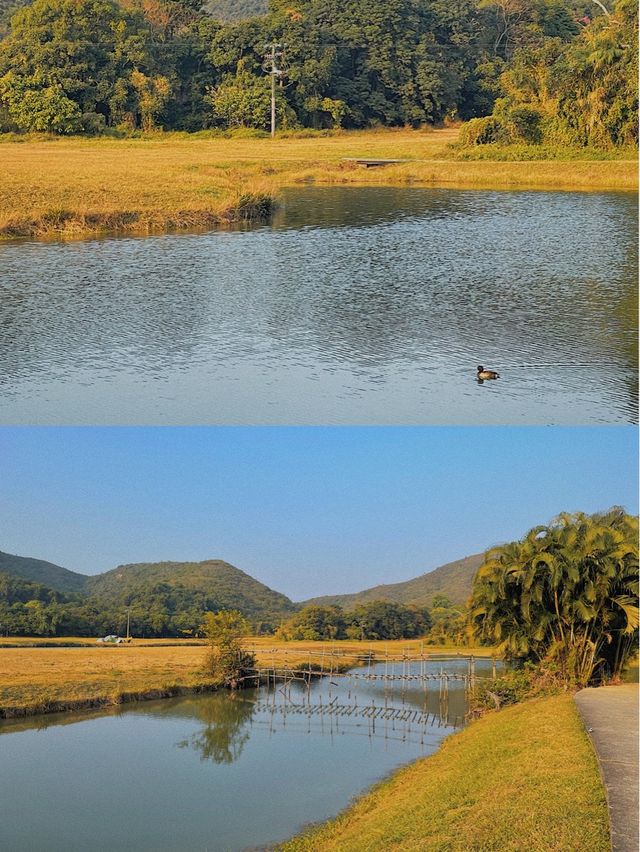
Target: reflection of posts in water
(371, 720)
(407, 682)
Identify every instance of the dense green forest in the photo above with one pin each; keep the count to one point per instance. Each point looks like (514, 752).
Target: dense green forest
(236, 10)
(546, 70)
(169, 599)
(374, 620)
(162, 599)
(443, 623)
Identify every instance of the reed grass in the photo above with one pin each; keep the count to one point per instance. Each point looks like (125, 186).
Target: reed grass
(525, 778)
(168, 182)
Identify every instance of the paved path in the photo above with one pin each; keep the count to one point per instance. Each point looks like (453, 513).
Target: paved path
(610, 715)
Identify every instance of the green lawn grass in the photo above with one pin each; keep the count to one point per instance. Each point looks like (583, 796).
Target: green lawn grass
(524, 778)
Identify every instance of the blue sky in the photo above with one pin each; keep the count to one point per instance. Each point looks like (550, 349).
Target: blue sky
(306, 510)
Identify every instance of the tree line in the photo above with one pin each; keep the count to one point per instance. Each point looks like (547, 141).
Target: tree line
(374, 620)
(163, 611)
(156, 610)
(530, 70)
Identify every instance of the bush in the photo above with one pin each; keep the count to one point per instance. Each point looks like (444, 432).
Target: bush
(483, 131)
(516, 685)
(526, 123)
(227, 662)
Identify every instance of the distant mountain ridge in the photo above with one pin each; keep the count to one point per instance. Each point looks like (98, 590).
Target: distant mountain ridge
(169, 598)
(45, 573)
(453, 580)
(170, 588)
(220, 585)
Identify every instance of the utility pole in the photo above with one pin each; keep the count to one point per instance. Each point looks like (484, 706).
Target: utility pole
(128, 618)
(273, 52)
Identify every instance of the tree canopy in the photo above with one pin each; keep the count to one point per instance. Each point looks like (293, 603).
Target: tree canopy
(374, 620)
(545, 70)
(566, 594)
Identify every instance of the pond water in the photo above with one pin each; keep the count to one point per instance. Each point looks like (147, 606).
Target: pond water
(215, 772)
(354, 305)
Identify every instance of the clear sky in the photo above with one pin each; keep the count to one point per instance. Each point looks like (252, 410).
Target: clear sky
(307, 511)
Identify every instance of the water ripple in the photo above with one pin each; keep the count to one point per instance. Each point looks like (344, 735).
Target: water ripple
(369, 305)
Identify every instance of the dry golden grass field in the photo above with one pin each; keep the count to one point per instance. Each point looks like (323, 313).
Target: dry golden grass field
(38, 680)
(77, 185)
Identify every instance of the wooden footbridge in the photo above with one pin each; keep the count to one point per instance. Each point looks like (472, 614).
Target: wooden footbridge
(385, 694)
(389, 669)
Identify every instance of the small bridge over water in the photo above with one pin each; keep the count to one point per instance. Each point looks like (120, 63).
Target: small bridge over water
(391, 669)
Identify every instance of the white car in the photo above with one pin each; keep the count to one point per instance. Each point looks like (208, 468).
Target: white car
(112, 639)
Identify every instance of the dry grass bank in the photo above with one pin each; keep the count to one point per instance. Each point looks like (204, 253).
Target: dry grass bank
(73, 641)
(70, 186)
(41, 680)
(523, 778)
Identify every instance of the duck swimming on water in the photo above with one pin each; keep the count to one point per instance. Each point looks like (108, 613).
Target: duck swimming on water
(486, 374)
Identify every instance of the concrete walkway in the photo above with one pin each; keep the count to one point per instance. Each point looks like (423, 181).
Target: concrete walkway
(610, 715)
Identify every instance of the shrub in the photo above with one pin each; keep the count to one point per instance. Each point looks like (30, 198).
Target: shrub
(483, 131)
(227, 662)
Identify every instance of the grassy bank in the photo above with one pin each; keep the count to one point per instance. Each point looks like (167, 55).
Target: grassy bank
(49, 679)
(523, 778)
(74, 186)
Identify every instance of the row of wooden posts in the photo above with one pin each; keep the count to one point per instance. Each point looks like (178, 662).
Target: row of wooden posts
(397, 667)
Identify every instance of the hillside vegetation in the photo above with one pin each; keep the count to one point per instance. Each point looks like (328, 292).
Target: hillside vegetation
(236, 10)
(453, 580)
(209, 585)
(45, 573)
(38, 598)
(161, 599)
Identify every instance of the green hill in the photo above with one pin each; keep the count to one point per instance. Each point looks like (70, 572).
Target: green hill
(236, 10)
(44, 573)
(160, 599)
(169, 598)
(452, 580)
(212, 584)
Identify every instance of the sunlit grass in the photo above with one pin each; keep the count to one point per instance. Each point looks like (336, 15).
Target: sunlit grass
(525, 778)
(164, 182)
(40, 679)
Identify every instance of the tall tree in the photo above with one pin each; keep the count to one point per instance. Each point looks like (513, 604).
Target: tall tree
(566, 593)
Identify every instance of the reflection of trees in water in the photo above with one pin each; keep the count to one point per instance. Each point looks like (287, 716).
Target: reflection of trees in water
(363, 206)
(223, 736)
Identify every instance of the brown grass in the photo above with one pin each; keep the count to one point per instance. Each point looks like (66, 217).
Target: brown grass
(72, 186)
(41, 680)
(525, 778)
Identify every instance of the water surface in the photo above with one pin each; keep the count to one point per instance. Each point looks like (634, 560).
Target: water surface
(216, 772)
(355, 305)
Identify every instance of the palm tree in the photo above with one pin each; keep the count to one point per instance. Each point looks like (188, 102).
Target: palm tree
(566, 593)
